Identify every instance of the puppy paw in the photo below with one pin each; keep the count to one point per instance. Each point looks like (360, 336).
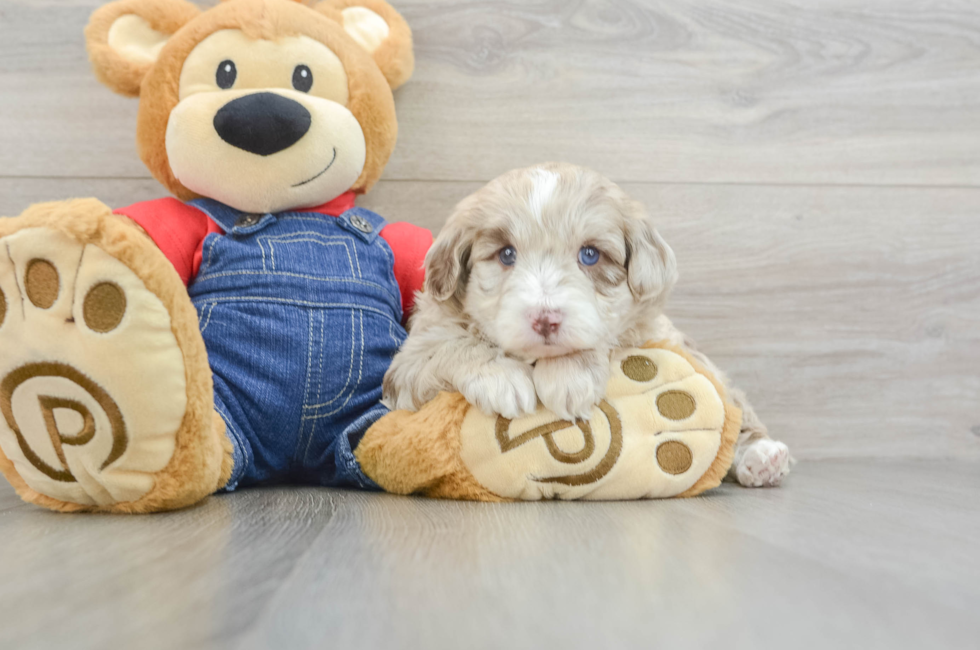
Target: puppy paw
(570, 387)
(501, 387)
(764, 463)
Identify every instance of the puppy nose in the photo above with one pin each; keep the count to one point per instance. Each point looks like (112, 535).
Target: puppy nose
(262, 123)
(546, 323)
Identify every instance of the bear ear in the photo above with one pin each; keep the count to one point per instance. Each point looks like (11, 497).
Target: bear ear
(124, 39)
(379, 29)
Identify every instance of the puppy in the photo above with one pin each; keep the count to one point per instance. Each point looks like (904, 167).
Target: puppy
(532, 282)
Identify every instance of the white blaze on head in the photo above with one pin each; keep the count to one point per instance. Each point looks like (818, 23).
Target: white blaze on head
(542, 191)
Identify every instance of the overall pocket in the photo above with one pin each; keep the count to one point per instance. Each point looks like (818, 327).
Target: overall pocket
(311, 255)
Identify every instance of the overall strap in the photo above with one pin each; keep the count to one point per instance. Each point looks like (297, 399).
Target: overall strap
(232, 221)
(363, 224)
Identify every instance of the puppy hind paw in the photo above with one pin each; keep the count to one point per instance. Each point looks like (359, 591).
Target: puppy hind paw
(764, 463)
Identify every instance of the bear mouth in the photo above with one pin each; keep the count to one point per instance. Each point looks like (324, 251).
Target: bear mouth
(325, 170)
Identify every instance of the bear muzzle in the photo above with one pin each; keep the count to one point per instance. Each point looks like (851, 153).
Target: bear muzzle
(262, 123)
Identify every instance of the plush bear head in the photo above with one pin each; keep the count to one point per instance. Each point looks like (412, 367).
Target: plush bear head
(264, 105)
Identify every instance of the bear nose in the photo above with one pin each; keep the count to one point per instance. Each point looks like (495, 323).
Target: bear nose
(262, 123)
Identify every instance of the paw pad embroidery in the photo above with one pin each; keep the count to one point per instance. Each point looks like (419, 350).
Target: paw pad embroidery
(657, 432)
(92, 381)
(104, 307)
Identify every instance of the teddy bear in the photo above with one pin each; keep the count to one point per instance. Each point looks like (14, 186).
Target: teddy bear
(265, 119)
(237, 333)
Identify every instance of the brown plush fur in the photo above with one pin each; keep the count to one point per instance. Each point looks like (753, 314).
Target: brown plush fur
(419, 452)
(371, 100)
(202, 458)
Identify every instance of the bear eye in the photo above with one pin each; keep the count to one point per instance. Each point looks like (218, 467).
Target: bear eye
(588, 255)
(226, 75)
(302, 78)
(508, 255)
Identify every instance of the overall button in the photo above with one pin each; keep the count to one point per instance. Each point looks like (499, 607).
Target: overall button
(248, 220)
(361, 224)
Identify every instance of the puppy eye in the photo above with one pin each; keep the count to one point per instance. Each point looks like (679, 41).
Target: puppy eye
(588, 255)
(508, 255)
(302, 78)
(226, 75)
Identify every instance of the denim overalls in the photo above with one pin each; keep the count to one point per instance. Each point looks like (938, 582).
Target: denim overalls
(301, 315)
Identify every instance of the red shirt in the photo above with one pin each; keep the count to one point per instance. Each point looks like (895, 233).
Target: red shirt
(179, 230)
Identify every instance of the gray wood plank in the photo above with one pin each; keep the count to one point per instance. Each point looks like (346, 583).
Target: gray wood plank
(850, 315)
(190, 579)
(683, 574)
(862, 554)
(775, 91)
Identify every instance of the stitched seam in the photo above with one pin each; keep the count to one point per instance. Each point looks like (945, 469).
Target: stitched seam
(390, 273)
(312, 237)
(360, 374)
(305, 303)
(309, 381)
(208, 321)
(303, 235)
(17, 281)
(74, 282)
(309, 439)
(296, 275)
(350, 368)
(341, 243)
(211, 250)
(319, 374)
(292, 217)
(358, 260)
(391, 333)
(309, 355)
(238, 436)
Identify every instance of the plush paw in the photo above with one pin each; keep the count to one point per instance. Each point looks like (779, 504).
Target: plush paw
(501, 387)
(570, 388)
(662, 430)
(92, 380)
(764, 463)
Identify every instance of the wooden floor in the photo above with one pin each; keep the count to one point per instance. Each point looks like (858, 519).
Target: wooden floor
(815, 165)
(849, 554)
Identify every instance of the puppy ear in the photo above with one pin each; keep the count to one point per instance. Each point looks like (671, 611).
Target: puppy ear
(651, 267)
(380, 30)
(446, 264)
(124, 39)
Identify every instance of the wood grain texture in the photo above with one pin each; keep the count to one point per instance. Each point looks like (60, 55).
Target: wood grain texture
(189, 579)
(774, 91)
(849, 554)
(851, 315)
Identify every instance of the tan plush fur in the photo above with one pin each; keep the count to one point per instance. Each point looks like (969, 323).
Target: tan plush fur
(729, 435)
(419, 452)
(201, 462)
(371, 100)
